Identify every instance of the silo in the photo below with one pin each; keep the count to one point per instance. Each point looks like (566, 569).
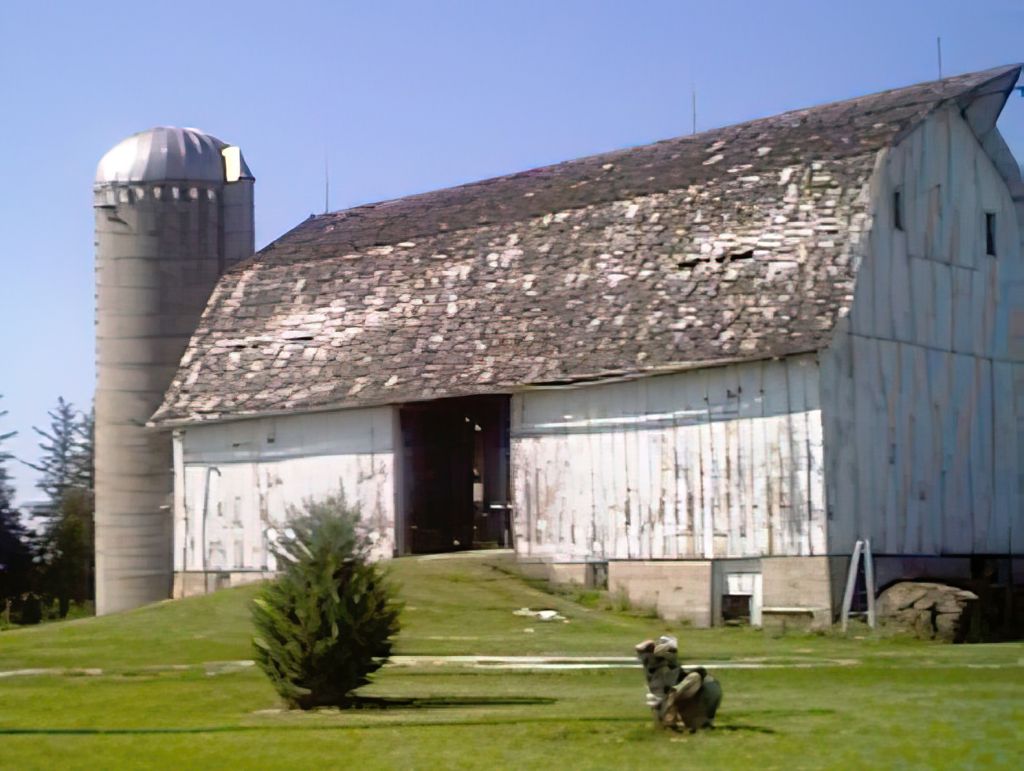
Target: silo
(174, 210)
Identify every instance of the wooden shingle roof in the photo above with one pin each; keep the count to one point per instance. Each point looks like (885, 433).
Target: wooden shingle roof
(737, 243)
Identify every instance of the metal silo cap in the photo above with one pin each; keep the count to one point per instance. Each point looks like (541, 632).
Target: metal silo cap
(167, 154)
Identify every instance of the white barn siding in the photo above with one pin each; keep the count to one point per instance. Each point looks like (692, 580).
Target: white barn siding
(717, 462)
(269, 464)
(923, 387)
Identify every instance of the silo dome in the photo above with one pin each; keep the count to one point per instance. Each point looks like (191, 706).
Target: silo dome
(165, 154)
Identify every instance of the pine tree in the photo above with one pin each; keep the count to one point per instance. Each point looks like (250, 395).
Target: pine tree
(326, 623)
(57, 465)
(15, 557)
(68, 571)
(65, 546)
(83, 472)
(72, 567)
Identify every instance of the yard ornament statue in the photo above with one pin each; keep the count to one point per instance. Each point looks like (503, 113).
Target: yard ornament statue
(678, 698)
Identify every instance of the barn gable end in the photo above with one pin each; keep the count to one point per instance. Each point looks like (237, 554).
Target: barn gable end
(923, 385)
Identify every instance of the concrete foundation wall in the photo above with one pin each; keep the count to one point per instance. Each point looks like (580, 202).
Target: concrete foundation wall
(802, 592)
(192, 583)
(677, 590)
(555, 572)
(795, 592)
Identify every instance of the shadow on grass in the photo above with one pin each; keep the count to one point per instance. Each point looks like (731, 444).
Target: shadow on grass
(435, 702)
(390, 724)
(219, 729)
(756, 729)
(430, 702)
(812, 712)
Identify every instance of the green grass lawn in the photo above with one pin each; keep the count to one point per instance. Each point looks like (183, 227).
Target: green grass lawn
(159, 703)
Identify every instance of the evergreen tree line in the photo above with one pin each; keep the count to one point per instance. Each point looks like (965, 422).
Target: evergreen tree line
(46, 555)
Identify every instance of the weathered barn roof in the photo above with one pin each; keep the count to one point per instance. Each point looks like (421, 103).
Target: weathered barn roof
(737, 243)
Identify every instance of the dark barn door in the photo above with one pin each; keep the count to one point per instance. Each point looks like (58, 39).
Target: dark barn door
(455, 473)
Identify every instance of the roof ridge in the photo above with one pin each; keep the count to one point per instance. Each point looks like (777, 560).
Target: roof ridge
(619, 173)
(687, 138)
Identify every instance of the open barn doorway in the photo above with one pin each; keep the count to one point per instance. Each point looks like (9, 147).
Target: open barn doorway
(455, 470)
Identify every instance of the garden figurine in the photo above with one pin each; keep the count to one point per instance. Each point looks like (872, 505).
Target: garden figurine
(677, 697)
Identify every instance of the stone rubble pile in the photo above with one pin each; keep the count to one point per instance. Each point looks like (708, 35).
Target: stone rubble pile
(928, 610)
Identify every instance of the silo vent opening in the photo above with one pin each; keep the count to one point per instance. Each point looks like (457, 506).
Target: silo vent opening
(232, 163)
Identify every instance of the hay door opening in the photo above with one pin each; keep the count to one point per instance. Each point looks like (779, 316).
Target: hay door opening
(455, 474)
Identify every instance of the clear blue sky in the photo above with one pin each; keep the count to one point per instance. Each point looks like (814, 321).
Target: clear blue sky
(403, 97)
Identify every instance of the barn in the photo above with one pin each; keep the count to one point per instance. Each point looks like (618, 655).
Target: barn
(700, 369)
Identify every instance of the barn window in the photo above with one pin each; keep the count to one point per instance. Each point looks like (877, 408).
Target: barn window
(897, 209)
(990, 234)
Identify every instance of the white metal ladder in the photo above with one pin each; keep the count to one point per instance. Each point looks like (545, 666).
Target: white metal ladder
(861, 549)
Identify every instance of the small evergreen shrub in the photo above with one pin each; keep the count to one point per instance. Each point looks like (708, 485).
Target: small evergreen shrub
(326, 623)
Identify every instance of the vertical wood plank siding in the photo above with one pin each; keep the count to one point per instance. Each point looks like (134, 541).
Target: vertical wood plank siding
(269, 464)
(922, 386)
(719, 462)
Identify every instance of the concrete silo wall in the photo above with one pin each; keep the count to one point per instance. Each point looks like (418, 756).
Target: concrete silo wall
(160, 249)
